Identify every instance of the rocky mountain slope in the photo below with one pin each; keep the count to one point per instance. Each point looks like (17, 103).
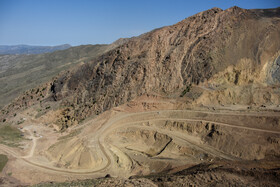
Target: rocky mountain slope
(230, 56)
(19, 73)
(193, 103)
(28, 49)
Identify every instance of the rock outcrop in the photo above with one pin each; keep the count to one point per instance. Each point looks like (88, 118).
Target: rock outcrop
(233, 47)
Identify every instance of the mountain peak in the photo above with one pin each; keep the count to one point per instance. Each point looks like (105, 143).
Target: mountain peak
(165, 60)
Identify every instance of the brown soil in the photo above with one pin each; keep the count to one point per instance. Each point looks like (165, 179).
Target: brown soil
(188, 104)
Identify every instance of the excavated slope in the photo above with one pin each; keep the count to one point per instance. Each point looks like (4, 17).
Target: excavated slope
(213, 45)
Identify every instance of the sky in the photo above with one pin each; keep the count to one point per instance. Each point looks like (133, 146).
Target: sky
(77, 22)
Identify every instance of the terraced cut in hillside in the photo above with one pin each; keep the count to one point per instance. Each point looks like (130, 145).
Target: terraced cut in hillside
(194, 103)
(124, 143)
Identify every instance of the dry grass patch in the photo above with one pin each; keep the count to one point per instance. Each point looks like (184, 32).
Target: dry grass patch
(3, 161)
(10, 136)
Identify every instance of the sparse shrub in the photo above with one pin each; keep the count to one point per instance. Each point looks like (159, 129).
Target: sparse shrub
(188, 89)
(20, 122)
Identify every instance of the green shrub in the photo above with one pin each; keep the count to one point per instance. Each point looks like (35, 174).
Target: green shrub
(188, 89)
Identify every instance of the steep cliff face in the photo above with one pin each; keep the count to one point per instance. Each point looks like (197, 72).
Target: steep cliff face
(235, 46)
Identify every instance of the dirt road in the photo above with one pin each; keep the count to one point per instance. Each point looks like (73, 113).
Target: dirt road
(128, 120)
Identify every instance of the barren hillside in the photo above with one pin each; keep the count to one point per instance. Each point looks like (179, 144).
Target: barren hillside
(19, 73)
(231, 54)
(193, 103)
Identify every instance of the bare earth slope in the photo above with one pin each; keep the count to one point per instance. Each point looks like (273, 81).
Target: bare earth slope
(193, 103)
(237, 49)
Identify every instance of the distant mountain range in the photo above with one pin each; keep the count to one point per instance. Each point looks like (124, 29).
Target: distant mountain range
(28, 49)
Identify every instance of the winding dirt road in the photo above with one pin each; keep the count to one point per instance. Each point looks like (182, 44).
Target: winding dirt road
(129, 120)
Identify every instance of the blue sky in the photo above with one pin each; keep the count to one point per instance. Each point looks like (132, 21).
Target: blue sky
(76, 22)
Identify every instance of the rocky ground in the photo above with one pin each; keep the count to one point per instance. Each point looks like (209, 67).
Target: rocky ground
(195, 103)
(201, 146)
